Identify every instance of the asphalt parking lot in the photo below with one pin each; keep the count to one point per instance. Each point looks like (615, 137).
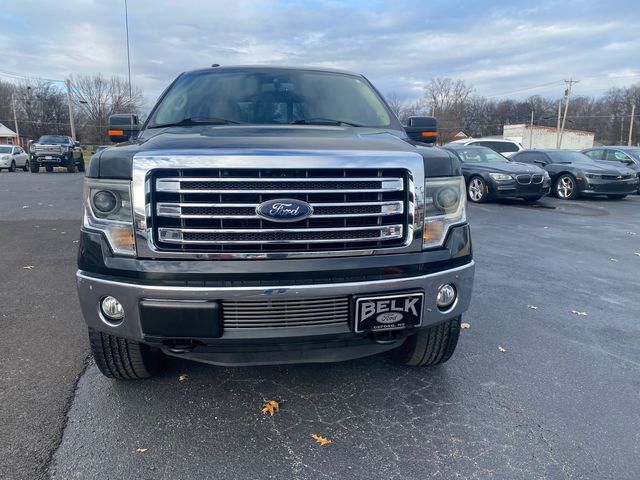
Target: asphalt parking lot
(559, 402)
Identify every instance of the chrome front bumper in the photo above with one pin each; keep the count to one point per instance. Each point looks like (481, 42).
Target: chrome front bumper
(92, 289)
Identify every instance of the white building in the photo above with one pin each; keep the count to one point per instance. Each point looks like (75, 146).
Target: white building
(546, 137)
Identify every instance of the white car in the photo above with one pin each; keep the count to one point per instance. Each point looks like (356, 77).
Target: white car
(500, 145)
(12, 157)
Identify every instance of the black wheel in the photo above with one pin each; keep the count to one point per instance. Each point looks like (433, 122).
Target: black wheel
(48, 168)
(81, 165)
(532, 199)
(71, 168)
(430, 347)
(34, 166)
(566, 187)
(26, 166)
(12, 168)
(123, 359)
(477, 190)
(617, 196)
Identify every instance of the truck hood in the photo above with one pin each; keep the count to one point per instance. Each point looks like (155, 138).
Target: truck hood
(507, 167)
(117, 162)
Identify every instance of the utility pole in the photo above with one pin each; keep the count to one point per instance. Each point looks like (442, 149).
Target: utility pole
(558, 126)
(633, 113)
(531, 131)
(567, 94)
(73, 127)
(126, 21)
(15, 118)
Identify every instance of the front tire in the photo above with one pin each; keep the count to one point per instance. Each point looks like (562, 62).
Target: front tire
(566, 187)
(26, 166)
(71, 168)
(12, 168)
(34, 166)
(123, 359)
(477, 190)
(432, 346)
(81, 165)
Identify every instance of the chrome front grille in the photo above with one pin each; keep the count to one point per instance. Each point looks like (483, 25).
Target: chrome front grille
(55, 149)
(214, 210)
(285, 313)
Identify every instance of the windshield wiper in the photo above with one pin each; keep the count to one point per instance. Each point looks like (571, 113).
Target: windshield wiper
(191, 121)
(323, 121)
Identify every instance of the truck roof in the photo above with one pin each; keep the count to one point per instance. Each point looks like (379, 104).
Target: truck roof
(232, 68)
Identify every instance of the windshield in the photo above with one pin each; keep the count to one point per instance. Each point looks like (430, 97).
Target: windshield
(480, 155)
(635, 153)
(566, 156)
(51, 139)
(5, 149)
(272, 96)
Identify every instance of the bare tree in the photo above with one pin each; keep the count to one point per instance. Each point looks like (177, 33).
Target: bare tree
(447, 99)
(42, 108)
(100, 97)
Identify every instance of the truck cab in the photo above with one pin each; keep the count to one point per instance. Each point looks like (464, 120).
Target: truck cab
(268, 215)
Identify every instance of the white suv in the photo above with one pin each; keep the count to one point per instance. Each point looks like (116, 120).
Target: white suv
(500, 145)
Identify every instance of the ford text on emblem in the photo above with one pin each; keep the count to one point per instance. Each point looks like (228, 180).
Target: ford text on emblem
(284, 210)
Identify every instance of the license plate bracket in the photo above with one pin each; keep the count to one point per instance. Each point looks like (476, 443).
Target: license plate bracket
(388, 312)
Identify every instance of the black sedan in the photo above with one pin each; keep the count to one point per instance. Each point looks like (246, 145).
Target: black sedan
(574, 173)
(489, 175)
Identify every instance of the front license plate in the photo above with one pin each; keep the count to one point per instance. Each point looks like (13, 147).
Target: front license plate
(48, 157)
(388, 312)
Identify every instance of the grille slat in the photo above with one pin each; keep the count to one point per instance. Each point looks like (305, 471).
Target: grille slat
(285, 313)
(215, 210)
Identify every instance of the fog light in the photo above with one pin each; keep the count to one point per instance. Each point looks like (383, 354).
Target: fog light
(446, 296)
(112, 309)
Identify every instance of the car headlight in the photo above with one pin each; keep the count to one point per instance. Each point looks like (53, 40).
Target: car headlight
(445, 206)
(6, 157)
(501, 177)
(592, 175)
(107, 209)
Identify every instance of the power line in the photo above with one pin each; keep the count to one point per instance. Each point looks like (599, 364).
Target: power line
(28, 77)
(555, 82)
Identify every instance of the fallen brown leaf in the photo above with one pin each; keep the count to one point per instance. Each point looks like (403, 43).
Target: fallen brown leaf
(321, 440)
(141, 450)
(28, 267)
(580, 314)
(271, 407)
(613, 260)
(501, 348)
(25, 206)
(465, 325)
(532, 307)
(183, 377)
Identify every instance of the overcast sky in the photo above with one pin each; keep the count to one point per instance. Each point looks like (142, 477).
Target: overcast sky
(501, 47)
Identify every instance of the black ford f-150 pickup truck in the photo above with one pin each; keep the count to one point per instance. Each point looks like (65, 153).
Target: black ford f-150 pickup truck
(272, 215)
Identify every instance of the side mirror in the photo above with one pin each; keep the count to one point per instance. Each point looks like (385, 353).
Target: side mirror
(123, 127)
(422, 129)
(540, 162)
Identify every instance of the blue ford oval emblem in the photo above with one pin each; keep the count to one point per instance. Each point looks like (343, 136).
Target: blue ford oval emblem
(284, 210)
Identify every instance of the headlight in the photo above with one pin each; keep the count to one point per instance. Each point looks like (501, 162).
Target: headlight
(445, 205)
(592, 175)
(501, 177)
(107, 209)
(6, 157)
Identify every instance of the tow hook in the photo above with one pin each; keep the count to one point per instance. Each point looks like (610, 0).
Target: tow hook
(384, 338)
(181, 346)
